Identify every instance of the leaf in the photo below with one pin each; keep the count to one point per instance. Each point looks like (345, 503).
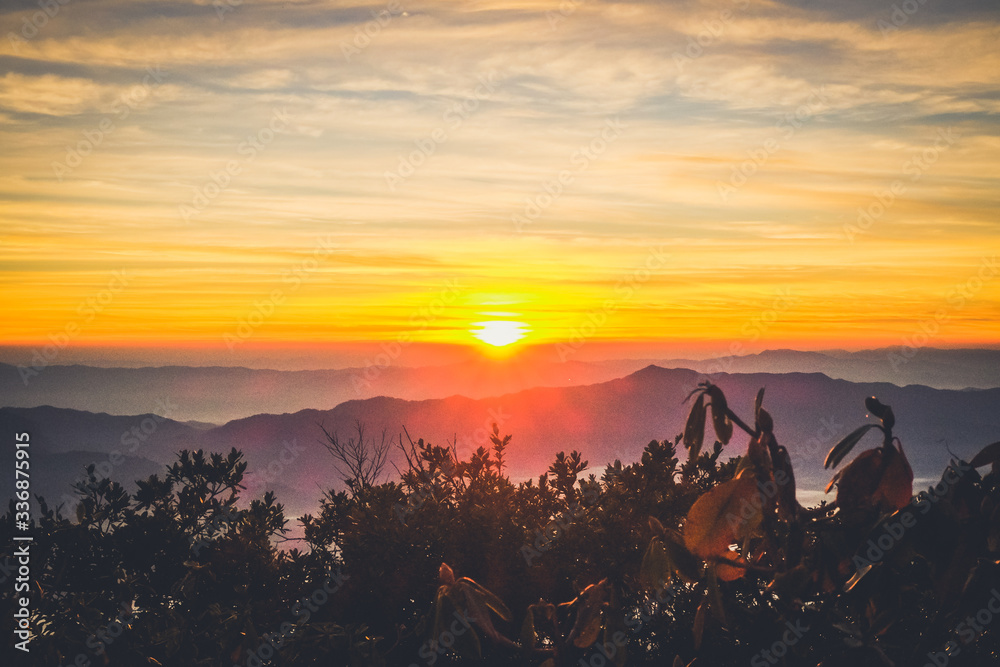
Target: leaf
(467, 611)
(987, 455)
(588, 616)
(791, 584)
(698, 629)
(529, 638)
(720, 415)
(844, 447)
(655, 569)
(757, 404)
(614, 631)
(700, 387)
(491, 600)
(470, 603)
(439, 603)
(833, 481)
(476, 602)
(879, 476)
(468, 646)
(895, 489)
(853, 581)
(880, 410)
(759, 456)
(722, 516)
(682, 562)
(694, 430)
(730, 572)
(788, 505)
(765, 423)
(715, 595)
(744, 466)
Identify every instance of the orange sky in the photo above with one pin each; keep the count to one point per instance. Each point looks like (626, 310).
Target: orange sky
(270, 177)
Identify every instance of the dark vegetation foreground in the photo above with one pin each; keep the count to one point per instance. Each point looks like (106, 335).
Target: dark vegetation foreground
(680, 557)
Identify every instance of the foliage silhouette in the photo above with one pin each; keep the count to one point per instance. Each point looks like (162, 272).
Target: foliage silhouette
(670, 560)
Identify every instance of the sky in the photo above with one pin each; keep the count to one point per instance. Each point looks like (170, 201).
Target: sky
(253, 175)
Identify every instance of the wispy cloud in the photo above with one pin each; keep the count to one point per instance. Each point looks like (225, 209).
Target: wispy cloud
(700, 84)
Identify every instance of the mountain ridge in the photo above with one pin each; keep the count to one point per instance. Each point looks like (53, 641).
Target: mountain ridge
(605, 421)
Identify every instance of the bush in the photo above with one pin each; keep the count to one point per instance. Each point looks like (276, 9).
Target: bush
(664, 561)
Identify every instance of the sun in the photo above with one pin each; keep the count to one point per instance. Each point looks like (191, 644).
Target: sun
(500, 332)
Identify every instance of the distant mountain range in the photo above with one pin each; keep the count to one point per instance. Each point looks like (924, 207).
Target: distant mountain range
(605, 421)
(942, 369)
(218, 395)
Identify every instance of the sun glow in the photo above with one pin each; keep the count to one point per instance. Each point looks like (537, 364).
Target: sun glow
(500, 332)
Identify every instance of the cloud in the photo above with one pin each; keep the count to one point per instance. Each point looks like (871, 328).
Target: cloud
(53, 95)
(700, 85)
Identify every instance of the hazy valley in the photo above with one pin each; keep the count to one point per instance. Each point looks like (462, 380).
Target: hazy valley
(605, 421)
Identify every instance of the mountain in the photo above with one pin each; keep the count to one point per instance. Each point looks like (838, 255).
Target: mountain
(605, 421)
(220, 394)
(216, 395)
(903, 365)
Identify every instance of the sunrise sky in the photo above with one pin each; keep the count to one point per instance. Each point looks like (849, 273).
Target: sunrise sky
(269, 173)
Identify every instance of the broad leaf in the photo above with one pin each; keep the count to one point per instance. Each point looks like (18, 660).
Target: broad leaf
(489, 599)
(844, 447)
(723, 516)
(879, 476)
(895, 489)
(765, 423)
(731, 572)
(720, 415)
(715, 595)
(588, 616)
(476, 606)
(759, 457)
(655, 569)
(683, 563)
(614, 626)
(987, 455)
(758, 403)
(788, 505)
(698, 630)
(694, 430)
(529, 637)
